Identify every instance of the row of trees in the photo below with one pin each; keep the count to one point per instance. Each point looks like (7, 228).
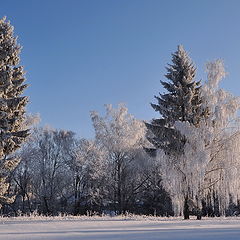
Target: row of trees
(112, 173)
(53, 170)
(184, 162)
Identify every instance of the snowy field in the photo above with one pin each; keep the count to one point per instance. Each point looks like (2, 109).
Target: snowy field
(118, 228)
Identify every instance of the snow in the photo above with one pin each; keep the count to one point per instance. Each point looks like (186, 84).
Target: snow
(118, 228)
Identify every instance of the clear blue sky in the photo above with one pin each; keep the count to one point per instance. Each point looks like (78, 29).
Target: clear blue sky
(80, 55)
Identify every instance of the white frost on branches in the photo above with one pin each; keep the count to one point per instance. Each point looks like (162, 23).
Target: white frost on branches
(121, 136)
(118, 131)
(210, 163)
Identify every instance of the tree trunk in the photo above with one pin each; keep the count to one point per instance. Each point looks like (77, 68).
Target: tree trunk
(186, 212)
(47, 211)
(119, 185)
(199, 214)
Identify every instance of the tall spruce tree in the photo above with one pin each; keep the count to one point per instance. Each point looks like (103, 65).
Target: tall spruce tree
(182, 102)
(12, 105)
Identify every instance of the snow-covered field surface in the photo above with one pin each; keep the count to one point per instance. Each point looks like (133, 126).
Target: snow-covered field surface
(106, 228)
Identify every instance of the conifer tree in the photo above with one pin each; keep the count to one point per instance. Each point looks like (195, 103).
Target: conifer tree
(182, 102)
(12, 105)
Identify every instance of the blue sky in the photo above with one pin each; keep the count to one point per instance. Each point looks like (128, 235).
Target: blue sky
(80, 55)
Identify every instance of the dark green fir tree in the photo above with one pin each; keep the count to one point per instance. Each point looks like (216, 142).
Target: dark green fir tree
(180, 102)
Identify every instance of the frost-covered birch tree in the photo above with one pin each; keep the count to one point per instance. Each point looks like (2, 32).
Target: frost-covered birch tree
(121, 136)
(88, 168)
(51, 161)
(223, 168)
(12, 105)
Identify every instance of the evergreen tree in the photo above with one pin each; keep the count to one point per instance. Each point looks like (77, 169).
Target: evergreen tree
(182, 102)
(12, 105)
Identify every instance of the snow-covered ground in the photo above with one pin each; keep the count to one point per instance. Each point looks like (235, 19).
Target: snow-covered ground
(106, 228)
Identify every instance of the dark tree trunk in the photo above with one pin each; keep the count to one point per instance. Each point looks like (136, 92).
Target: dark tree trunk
(47, 210)
(119, 184)
(199, 214)
(186, 212)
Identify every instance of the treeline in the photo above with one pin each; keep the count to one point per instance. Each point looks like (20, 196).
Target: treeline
(186, 161)
(111, 174)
